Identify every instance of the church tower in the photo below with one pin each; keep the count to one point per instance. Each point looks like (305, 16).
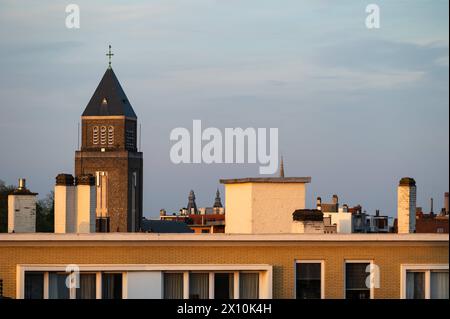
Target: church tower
(109, 152)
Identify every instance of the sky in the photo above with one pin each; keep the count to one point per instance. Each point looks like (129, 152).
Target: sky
(356, 108)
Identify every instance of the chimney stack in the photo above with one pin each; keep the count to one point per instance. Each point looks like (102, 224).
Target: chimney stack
(319, 203)
(406, 205)
(431, 206)
(335, 199)
(22, 210)
(64, 204)
(446, 202)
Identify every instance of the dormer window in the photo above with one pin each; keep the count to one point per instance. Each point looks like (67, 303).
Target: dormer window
(104, 101)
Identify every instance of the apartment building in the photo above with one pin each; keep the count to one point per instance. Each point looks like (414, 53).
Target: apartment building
(224, 266)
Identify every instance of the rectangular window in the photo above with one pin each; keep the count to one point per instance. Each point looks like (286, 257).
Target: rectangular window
(248, 285)
(308, 280)
(111, 286)
(88, 287)
(439, 288)
(34, 285)
(198, 285)
(427, 284)
(57, 288)
(1, 288)
(223, 285)
(173, 286)
(355, 281)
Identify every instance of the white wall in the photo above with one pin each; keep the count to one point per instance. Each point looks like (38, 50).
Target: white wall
(22, 213)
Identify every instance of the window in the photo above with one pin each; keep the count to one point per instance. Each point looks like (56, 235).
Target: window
(57, 288)
(308, 280)
(425, 282)
(87, 288)
(1, 288)
(415, 285)
(173, 285)
(356, 274)
(111, 286)
(103, 135)
(95, 135)
(439, 285)
(248, 285)
(129, 139)
(110, 135)
(223, 285)
(34, 285)
(198, 285)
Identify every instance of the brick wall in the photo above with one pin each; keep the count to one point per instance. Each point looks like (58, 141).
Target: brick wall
(387, 255)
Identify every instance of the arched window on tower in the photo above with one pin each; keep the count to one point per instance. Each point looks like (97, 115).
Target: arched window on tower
(103, 135)
(110, 135)
(95, 135)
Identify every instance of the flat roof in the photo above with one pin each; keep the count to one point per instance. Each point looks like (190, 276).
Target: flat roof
(266, 180)
(6, 239)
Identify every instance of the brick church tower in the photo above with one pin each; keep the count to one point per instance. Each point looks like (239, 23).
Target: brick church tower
(109, 152)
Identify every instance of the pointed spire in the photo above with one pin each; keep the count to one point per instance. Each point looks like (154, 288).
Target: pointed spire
(218, 201)
(192, 206)
(282, 167)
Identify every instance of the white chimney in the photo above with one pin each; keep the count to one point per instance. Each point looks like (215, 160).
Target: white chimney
(65, 215)
(22, 210)
(85, 204)
(406, 206)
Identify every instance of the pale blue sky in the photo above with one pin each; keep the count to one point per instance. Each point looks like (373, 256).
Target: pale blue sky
(357, 109)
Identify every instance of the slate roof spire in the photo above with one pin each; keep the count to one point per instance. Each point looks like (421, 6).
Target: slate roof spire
(109, 99)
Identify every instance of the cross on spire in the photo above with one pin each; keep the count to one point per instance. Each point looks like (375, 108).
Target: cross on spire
(109, 55)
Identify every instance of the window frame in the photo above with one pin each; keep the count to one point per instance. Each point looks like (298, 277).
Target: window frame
(265, 272)
(358, 261)
(322, 274)
(426, 268)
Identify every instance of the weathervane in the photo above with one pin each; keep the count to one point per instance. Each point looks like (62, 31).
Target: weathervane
(109, 55)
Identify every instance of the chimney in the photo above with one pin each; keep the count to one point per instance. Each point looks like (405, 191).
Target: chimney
(85, 204)
(65, 215)
(431, 206)
(319, 203)
(162, 212)
(335, 201)
(22, 210)
(446, 202)
(345, 208)
(377, 212)
(406, 205)
(22, 184)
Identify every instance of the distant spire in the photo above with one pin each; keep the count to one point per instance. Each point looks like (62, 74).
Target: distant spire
(282, 167)
(218, 201)
(192, 206)
(109, 55)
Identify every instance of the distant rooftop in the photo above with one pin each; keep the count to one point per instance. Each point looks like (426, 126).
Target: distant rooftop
(286, 180)
(165, 226)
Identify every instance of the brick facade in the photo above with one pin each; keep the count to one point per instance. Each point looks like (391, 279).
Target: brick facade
(153, 249)
(120, 160)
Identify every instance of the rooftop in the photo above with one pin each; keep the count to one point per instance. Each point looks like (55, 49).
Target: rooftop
(266, 180)
(109, 99)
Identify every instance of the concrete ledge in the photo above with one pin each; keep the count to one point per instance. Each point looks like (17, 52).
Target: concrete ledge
(208, 238)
